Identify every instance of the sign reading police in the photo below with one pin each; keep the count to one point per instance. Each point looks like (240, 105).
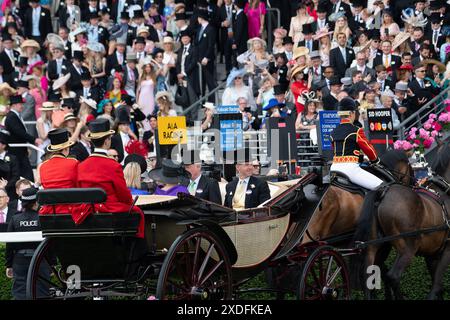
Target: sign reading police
(328, 121)
(172, 130)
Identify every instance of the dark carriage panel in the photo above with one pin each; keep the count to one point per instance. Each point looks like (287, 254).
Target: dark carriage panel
(75, 195)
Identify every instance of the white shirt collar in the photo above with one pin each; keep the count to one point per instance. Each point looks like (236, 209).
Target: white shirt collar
(100, 150)
(246, 180)
(3, 155)
(197, 180)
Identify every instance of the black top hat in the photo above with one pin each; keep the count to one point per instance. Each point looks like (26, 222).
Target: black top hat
(99, 128)
(184, 33)
(22, 84)
(322, 7)
(278, 89)
(156, 19)
(435, 17)
(204, 14)
(68, 102)
(54, 96)
(23, 61)
(92, 15)
(140, 160)
(29, 196)
(359, 3)
(287, 40)
(59, 140)
(125, 15)
(11, 25)
(240, 3)
(6, 37)
(307, 28)
(123, 117)
(180, 16)
(85, 76)
(15, 99)
(436, 5)
(346, 105)
(417, 1)
(375, 34)
(335, 81)
(170, 172)
(78, 55)
(4, 136)
(138, 14)
(140, 40)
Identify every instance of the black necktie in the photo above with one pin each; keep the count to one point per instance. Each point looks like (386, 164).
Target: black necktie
(184, 51)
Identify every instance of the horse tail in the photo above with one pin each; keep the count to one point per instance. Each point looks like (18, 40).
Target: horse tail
(362, 234)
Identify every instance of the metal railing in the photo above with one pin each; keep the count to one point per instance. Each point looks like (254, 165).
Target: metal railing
(419, 117)
(26, 145)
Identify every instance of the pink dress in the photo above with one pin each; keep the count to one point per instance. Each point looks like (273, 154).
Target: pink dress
(39, 100)
(146, 100)
(254, 19)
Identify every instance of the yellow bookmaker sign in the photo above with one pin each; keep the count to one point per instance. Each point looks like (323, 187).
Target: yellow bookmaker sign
(172, 129)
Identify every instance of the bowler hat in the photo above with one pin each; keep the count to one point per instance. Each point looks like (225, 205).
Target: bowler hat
(59, 140)
(99, 128)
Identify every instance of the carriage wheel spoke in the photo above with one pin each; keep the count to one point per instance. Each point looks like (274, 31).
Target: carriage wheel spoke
(210, 273)
(208, 255)
(329, 265)
(196, 257)
(335, 274)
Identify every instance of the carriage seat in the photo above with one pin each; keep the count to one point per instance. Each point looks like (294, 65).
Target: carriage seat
(101, 224)
(341, 180)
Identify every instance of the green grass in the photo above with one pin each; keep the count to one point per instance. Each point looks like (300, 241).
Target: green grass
(415, 284)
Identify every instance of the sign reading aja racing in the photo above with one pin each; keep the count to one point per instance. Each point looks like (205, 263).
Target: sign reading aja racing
(380, 121)
(172, 130)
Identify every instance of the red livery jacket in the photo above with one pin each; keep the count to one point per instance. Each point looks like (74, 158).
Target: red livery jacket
(348, 141)
(100, 171)
(58, 172)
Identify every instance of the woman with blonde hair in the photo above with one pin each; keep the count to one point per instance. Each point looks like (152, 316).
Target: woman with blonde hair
(255, 60)
(146, 90)
(6, 91)
(341, 27)
(135, 165)
(39, 95)
(95, 62)
(44, 123)
(324, 47)
(165, 104)
(30, 50)
(297, 22)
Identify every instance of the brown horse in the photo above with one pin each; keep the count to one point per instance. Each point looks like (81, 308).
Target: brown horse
(441, 163)
(340, 209)
(393, 211)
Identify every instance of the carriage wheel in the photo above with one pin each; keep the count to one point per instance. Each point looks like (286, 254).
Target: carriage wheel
(44, 278)
(196, 267)
(325, 276)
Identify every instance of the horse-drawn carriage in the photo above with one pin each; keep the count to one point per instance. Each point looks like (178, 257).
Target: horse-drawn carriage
(195, 249)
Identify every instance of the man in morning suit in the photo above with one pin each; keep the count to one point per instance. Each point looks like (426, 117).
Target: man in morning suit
(342, 56)
(201, 186)
(246, 191)
(18, 134)
(37, 22)
(9, 166)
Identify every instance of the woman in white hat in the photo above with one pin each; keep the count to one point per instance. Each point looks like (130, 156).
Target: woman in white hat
(145, 91)
(79, 39)
(255, 60)
(60, 85)
(88, 107)
(44, 123)
(165, 104)
(236, 88)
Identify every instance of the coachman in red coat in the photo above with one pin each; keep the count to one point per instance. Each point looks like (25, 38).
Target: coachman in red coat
(101, 171)
(59, 171)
